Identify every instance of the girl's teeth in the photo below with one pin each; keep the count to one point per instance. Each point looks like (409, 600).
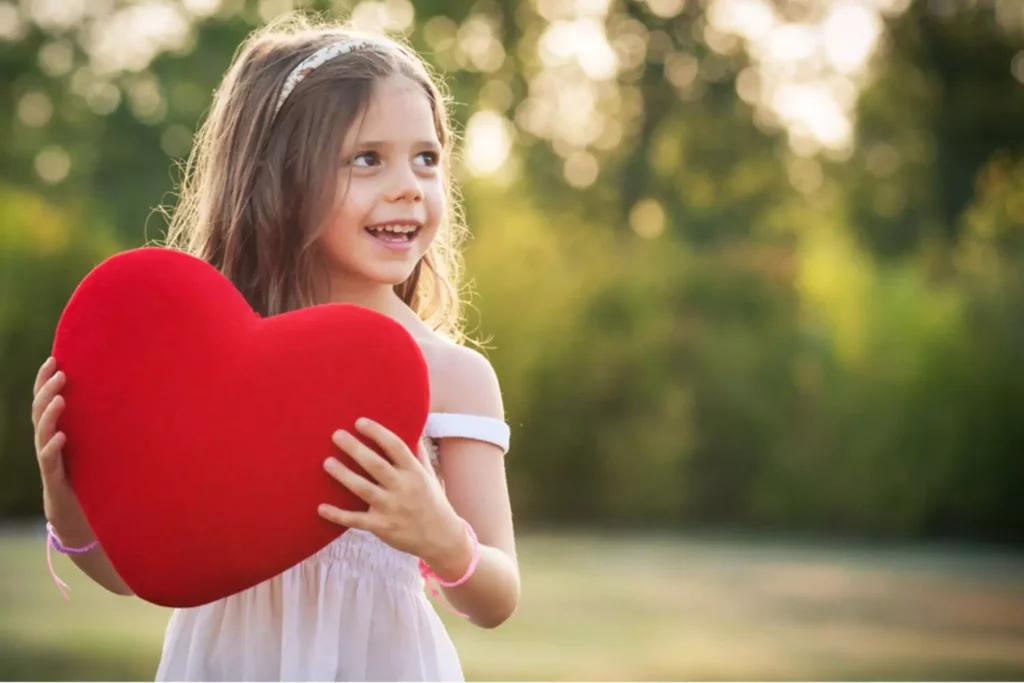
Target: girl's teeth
(393, 234)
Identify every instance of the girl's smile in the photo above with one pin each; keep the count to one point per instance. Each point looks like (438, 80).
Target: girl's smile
(397, 235)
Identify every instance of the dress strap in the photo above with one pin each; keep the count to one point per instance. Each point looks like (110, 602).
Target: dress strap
(466, 426)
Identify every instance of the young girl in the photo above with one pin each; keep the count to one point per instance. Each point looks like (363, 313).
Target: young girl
(322, 175)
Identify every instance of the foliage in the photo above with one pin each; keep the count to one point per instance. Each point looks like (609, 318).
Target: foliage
(698, 317)
(44, 253)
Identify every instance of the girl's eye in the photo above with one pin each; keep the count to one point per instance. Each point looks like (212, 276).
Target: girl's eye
(366, 159)
(429, 158)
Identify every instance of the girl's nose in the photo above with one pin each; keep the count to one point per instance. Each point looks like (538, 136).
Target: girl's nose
(405, 186)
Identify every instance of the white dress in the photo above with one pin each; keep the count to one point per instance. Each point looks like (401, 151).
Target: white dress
(355, 611)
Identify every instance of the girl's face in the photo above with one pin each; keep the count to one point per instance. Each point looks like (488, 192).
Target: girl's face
(391, 196)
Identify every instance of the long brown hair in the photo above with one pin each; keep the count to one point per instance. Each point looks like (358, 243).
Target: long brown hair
(257, 187)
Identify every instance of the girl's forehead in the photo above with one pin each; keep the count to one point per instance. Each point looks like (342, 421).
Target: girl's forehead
(399, 111)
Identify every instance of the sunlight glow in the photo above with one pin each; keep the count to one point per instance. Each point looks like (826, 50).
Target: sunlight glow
(202, 8)
(575, 101)
(751, 20)
(849, 35)
(811, 111)
(440, 34)
(35, 109)
(789, 43)
(666, 9)
(401, 15)
(1017, 66)
(806, 76)
(52, 165)
(176, 141)
(132, 37)
(11, 26)
(583, 41)
(479, 44)
(591, 8)
(102, 97)
(497, 95)
(55, 15)
(647, 218)
(1010, 14)
(146, 99)
(488, 143)
(56, 58)
(580, 169)
(393, 16)
(555, 10)
(582, 99)
(269, 9)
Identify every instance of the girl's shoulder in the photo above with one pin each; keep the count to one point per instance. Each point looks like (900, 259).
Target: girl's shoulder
(462, 380)
(465, 396)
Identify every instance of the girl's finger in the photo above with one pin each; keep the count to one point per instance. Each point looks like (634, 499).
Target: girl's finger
(348, 518)
(359, 485)
(371, 461)
(423, 453)
(48, 421)
(45, 396)
(51, 459)
(400, 454)
(46, 370)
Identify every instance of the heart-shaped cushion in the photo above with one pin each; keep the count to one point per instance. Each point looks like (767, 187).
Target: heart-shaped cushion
(197, 429)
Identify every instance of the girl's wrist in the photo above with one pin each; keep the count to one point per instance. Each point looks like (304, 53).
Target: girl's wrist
(72, 533)
(451, 556)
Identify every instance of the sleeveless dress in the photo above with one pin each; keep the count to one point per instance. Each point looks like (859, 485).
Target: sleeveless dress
(355, 611)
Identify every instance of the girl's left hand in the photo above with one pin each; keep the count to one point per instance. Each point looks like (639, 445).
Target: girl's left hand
(408, 507)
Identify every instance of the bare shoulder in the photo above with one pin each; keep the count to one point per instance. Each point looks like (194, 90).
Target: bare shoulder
(463, 380)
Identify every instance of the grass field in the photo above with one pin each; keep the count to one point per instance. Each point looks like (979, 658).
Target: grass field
(622, 609)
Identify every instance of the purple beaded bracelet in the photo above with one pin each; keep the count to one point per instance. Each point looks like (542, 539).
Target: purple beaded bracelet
(53, 541)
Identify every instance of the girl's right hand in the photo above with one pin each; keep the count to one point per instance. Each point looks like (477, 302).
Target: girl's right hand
(59, 502)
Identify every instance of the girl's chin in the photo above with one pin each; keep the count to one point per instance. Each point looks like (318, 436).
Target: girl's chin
(390, 274)
(376, 265)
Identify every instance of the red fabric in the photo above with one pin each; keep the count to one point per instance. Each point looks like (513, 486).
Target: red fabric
(197, 429)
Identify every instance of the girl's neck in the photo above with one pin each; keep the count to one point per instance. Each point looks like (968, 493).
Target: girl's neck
(380, 298)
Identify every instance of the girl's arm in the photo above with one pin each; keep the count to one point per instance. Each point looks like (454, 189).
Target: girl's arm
(75, 533)
(475, 482)
(474, 479)
(410, 511)
(60, 504)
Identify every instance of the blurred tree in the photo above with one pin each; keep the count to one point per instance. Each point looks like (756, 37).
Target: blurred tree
(44, 254)
(949, 98)
(712, 290)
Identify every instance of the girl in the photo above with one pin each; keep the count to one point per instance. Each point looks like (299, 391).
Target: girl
(322, 175)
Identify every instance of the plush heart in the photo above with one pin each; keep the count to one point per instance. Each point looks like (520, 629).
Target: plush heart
(196, 429)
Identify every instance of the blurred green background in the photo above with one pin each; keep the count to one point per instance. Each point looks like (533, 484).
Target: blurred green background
(751, 273)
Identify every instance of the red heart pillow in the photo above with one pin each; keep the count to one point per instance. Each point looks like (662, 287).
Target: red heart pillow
(197, 429)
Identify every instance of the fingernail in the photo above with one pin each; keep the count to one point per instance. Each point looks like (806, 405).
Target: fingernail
(362, 422)
(330, 463)
(340, 434)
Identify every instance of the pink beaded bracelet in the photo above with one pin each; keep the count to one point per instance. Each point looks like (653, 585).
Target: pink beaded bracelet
(429, 574)
(53, 542)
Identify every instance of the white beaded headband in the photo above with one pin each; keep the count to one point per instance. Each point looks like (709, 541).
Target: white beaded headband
(316, 60)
